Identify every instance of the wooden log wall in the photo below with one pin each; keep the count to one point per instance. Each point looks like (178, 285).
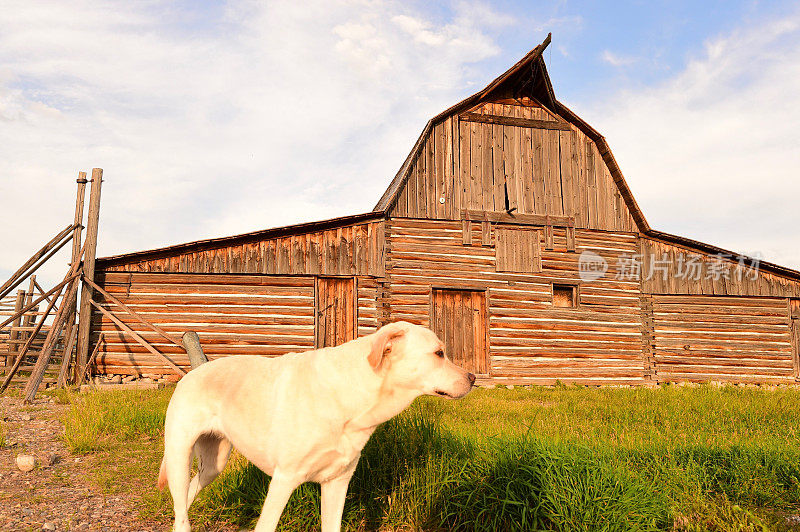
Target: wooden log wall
(717, 338)
(233, 315)
(531, 161)
(670, 269)
(349, 250)
(531, 341)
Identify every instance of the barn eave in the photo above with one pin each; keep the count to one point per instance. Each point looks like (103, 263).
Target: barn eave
(254, 236)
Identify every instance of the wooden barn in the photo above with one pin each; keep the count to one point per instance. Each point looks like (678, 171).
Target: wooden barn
(511, 232)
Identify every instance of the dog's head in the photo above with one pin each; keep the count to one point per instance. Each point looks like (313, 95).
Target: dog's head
(411, 357)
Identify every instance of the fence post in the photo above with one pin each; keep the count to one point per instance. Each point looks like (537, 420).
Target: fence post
(13, 346)
(90, 248)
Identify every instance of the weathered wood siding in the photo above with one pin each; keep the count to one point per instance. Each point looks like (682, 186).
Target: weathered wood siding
(712, 338)
(530, 341)
(233, 314)
(672, 269)
(350, 250)
(468, 164)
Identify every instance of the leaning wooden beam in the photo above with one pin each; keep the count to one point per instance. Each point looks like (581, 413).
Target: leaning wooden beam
(85, 370)
(28, 344)
(60, 320)
(107, 313)
(126, 308)
(29, 306)
(53, 251)
(90, 248)
(36, 256)
(40, 289)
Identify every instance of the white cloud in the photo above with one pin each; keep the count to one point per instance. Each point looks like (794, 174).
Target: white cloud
(616, 60)
(258, 115)
(713, 153)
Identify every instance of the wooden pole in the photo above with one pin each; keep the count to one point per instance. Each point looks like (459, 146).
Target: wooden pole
(30, 319)
(10, 284)
(90, 248)
(191, 342)
(28, 344)
(13, 335)
(72, 325)
(126, 308)
(37, 374)
(78, 220)
(110, 315)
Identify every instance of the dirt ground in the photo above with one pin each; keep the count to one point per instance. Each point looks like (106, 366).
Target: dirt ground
(56, 495)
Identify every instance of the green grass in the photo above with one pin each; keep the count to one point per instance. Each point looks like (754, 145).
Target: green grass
(563, 458)
(99, 421)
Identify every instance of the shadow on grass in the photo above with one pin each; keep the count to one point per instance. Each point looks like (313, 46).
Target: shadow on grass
(414, 474)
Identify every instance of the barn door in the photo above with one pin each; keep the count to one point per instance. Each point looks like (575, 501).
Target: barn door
(336, 311)
(458, 317)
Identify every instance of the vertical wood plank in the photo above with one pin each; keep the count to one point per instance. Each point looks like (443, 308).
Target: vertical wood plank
(90, 249)
(466, 232)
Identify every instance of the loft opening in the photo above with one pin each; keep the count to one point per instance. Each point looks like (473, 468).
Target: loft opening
(565, 295)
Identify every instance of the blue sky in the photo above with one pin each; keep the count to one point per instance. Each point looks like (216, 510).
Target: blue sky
(212, 118)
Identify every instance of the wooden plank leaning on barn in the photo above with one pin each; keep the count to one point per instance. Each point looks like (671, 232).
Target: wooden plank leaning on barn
(110, 315)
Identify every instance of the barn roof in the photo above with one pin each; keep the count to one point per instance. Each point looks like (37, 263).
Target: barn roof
(244, 238)
(529, 73)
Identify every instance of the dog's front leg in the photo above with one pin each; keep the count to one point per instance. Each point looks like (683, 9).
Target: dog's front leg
(334, 492)
(280, 489)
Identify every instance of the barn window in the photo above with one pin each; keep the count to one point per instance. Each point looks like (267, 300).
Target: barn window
(565, 295)
(517, 250)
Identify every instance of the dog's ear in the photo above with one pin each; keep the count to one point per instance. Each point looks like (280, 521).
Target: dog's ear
(383, 342)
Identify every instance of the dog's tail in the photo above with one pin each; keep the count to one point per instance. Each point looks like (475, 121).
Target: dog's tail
(162, 474)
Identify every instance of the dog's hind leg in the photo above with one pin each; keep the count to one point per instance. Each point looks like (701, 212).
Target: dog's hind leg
(212, 452)
(280, 489)
(178, 461)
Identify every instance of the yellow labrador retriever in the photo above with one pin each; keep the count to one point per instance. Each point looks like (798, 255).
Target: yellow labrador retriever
(299, 417)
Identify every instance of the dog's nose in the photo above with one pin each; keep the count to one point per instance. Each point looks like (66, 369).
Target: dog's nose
(471, 378)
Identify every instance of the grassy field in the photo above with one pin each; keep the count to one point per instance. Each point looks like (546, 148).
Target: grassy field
(564, 458)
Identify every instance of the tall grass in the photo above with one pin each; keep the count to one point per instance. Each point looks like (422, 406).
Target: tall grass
(541, 459)
(96, 420)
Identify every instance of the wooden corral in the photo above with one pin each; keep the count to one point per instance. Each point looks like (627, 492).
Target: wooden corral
(510, 231)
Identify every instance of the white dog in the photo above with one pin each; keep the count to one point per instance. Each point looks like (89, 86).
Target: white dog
(299, 417)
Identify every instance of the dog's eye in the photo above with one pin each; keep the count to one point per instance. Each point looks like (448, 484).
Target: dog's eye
(440, 353)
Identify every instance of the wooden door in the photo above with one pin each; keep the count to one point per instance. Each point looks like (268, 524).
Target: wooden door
(335, 311)
(458, 317)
